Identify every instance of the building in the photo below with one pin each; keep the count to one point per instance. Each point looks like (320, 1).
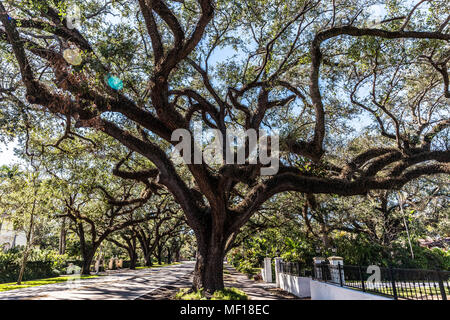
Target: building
(10, 238)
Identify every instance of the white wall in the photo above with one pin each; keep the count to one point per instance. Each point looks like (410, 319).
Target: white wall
(298, 286)
(7, 235)
(267, 270)
(327, 291)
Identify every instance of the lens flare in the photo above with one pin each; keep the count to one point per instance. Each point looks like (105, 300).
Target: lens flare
(73, 56)
(115, 83)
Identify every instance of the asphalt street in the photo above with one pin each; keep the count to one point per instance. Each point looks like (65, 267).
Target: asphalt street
(121, 285)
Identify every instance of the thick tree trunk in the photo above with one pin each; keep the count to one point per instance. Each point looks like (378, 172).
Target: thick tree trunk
(208, 273)
(133, 263)
(148, 260)
(133, 258)
(169, 256)
(87, 261)
(159, 255)
(88, 257)
(87, 250)
(145, 246)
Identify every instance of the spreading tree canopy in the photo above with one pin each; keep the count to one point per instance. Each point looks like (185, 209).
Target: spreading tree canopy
(318, 71)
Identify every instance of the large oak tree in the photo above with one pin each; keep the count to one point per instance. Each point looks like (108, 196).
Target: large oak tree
(305, 67)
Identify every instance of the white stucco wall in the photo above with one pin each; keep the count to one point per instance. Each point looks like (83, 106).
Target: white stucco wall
(267, 270)
(327, 291)
(298, 286)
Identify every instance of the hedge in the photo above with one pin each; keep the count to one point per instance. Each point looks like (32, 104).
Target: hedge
(41, 264)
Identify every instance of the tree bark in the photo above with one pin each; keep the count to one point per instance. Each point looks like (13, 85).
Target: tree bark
(22, 266)
(87, 261)
(208, 273)
(133, 258)
(169, 256)
(28, 244)
(148, 260)
(62, 237)
(146, 249)
(159, 254)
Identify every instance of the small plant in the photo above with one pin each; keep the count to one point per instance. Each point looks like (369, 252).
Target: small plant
(229, 294)
(225, 294)
(189, 294)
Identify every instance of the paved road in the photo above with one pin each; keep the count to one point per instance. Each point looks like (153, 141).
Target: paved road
(123, 285)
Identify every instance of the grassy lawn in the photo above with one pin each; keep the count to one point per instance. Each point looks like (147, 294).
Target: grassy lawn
(40, 282)
(158, 265)
(404, 292)
(226, 294)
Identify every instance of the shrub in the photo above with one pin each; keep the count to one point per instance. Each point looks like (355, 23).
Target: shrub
(225, 294)
(41, 264)
(247, 268)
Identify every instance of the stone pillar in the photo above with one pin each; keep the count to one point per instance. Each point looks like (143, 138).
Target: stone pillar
(267, 271)
(277, 271)
(335, 263)
(318, 269)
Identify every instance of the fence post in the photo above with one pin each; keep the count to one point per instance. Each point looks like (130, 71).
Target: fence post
(340, 275)
(441, 285)
(277, 271)
(324, 265)
(362, 279)
(394, 289)
(318, 267)
(335, 262)
(267, 270)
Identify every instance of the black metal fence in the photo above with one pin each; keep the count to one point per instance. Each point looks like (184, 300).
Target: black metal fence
(294, 269)
(409, 284)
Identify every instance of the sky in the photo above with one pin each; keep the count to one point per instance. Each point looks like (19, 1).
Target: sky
(7, 156)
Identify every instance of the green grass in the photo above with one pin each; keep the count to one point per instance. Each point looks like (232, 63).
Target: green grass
(40, 282)
(225, 294)
(158, 265)
(405, 292)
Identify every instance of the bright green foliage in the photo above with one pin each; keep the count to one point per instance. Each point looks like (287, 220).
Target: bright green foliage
(225, 294)
(41, 264)
(42, 282)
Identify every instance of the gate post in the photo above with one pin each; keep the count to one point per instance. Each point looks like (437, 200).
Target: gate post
(337, 264)
(277, 271)
(317, 267)
(267, 270)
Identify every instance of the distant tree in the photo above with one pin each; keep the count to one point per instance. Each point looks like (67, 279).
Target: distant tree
(153, 236)
(127, 240)
(25, 200)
